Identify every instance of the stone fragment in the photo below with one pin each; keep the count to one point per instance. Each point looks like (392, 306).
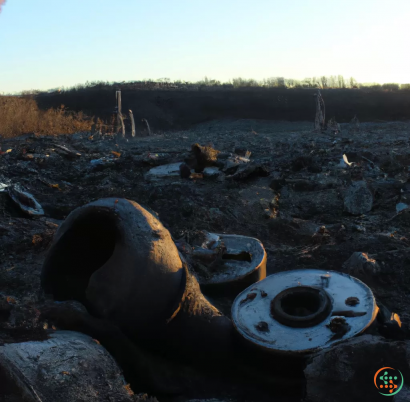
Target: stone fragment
(346, 372)
(358, 198)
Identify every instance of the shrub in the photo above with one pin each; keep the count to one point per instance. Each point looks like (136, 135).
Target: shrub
(21, 115)
(391, 87)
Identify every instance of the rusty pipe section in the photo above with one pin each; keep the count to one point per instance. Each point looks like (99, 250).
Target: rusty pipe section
(117, 259)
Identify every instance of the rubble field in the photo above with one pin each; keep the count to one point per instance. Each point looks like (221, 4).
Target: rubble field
(336, 200)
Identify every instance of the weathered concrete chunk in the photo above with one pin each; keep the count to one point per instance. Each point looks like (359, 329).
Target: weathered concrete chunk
(346, 372)
(358, 198)
(159, 172)
(68, 367)
(360, 265)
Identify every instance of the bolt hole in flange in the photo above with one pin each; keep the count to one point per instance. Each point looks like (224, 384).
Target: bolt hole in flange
(301, 306)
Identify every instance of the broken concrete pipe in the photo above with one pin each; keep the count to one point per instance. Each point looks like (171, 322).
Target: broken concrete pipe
(117, 259)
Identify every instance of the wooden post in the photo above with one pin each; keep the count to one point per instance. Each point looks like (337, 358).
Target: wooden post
(320, 112)
(120, 120)
(132, 123)
(148, 127)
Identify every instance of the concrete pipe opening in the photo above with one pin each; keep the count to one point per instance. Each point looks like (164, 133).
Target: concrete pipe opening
(114, 256)
(83, 249)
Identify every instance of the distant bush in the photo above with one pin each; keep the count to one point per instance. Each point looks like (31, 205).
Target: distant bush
(21, 115)
(406, 87)
(391, 87)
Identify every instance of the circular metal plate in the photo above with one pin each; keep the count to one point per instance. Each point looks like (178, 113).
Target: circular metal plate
(236, 268)
(251, 311)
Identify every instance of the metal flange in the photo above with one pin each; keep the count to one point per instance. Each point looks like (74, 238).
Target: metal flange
(302, 311)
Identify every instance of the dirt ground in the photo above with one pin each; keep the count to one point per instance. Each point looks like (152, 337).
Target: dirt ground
(298, 211)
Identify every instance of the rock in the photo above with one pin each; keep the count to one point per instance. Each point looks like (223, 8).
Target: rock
(296, 230)
(302, 162)
(184, 171)
(346, 372)
(247, 170)
(204, 157)
(277, 183)
(361, 266)
(403, 395)
(69, 366)
(401, 206)
(358, 198)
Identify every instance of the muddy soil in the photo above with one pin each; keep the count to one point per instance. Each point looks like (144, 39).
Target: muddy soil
(299, 211)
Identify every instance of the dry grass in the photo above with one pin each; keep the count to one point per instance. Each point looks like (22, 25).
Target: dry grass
(21, 115)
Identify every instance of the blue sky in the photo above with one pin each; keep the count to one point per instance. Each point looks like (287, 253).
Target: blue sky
(52, 43)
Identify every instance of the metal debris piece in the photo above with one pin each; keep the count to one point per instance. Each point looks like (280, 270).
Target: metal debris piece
(240, 258)
(303, 306)
(26, 202)
(66, 151)
(344, 163)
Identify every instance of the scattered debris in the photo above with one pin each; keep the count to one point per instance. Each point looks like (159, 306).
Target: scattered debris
(306, 227)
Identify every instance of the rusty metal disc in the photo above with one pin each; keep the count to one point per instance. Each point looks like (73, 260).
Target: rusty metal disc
(302, 311)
